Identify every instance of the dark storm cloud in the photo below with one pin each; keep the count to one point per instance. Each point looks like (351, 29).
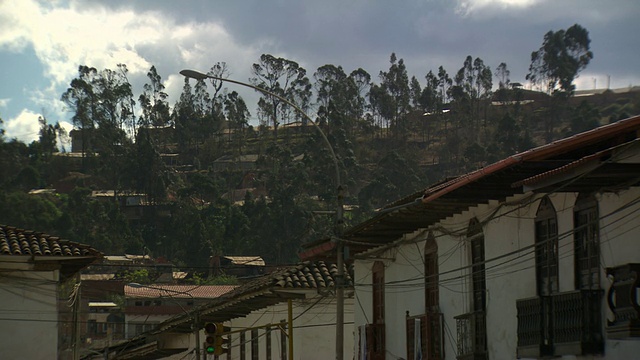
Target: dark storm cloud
(426, 34)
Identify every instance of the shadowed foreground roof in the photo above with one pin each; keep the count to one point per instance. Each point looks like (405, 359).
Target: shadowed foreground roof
(586, 162)
(37, 247)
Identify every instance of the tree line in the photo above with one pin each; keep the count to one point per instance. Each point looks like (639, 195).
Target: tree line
(392, 136)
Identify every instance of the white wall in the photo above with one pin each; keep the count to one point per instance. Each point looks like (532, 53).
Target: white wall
(29, 324)
(314, 329)
(510, 269)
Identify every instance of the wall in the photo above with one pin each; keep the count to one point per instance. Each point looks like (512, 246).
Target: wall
(30, 316)
(510, 269)
(314, 329)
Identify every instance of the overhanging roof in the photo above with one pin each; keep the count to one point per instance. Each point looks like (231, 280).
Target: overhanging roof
(497, 182)
(291, 282)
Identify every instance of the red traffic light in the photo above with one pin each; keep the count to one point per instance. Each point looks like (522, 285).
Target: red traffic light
(210, 328)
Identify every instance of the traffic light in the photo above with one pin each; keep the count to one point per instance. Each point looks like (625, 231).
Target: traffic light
(216, 339)
(221, 343)
(210, 330)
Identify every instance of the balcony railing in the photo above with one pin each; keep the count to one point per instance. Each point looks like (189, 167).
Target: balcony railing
(623, 299)
(560, 324)
(472, 336)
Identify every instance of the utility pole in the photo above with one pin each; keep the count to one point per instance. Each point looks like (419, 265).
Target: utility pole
(76, 318)
(340, 277)
(196, 328)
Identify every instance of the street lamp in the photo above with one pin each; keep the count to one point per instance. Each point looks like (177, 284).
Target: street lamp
(339, 197)
(195, 325)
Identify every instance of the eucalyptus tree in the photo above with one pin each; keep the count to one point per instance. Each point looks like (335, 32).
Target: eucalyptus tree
(102, 103)
(217, 121)
(444, 91)
(81, 99)
(238, 115)
(396, 96)
(183, 116)
(472, 88)
(339, 100)
(483, 81)
(284, 78)
(153, 101)
(563, 54)
(502, 74)
(362, 84)
(430, 103)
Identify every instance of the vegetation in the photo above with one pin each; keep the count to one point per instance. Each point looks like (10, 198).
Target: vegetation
(392, 136)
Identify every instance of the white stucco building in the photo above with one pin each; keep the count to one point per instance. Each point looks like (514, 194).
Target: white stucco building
(532, 257)
(35, 267)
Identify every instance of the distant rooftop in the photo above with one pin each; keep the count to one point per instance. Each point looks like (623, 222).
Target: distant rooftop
(177, 291)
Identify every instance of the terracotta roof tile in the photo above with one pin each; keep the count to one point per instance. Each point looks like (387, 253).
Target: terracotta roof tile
(14, 241)
(305, 275)
(177, 291)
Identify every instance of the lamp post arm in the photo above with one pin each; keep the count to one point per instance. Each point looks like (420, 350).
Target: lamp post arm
(200, 76)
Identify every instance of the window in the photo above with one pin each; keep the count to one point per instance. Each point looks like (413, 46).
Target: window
(586, 243)
(471, 327)
(476, 238)
(431, 274)
(424, 337)
(375, 332)
(378, 292)
(92, 327)
(546, 237)
(567, 323)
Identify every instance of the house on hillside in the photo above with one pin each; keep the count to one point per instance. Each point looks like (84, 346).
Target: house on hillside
(242, 163)
(238, 266)
(535, 256)
(257, 315)
(38, 293)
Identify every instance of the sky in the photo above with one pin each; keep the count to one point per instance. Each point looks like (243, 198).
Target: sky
(42, 43)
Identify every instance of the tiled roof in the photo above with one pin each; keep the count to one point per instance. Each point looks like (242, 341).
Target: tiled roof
(177, 291)
(309, 274)
(306, 275)
(263, 291)
(14, 241)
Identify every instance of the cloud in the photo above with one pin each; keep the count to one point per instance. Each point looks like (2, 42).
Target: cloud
(466, 7)
(24, 127)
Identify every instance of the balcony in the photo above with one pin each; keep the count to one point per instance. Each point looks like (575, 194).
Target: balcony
(472, 336)
(623, 300)
(560, 324)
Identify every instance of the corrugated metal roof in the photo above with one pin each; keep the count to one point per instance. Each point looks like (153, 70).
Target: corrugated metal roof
(102, 304)
(246, 260)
